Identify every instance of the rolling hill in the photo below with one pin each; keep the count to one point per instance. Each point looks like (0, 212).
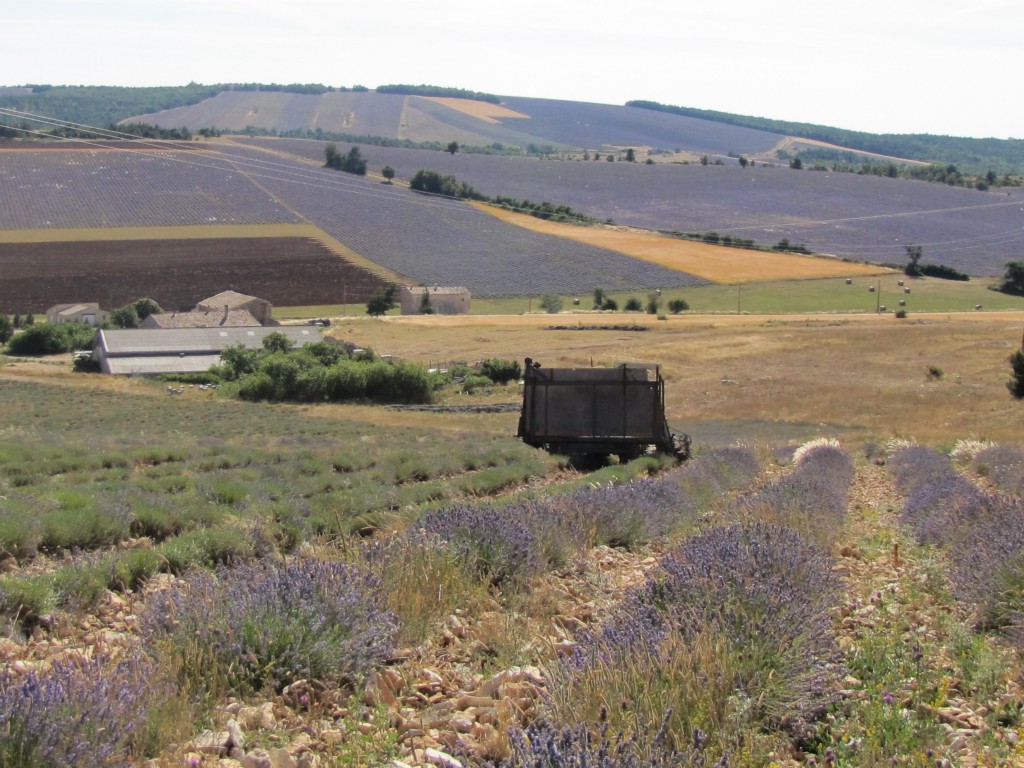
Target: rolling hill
(266, 178)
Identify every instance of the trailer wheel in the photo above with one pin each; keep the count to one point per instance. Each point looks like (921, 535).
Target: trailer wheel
(587, 462)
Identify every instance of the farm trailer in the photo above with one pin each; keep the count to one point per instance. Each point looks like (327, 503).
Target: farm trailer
(590, 413)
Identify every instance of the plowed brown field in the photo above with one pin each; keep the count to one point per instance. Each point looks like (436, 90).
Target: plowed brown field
(286, 271)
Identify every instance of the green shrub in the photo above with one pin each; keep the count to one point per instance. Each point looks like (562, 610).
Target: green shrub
(46, 339)
(633, 305)
(19, 531)
(207, 548)
(501, 371)
(675, 306)
(82, 526)
(26, 600)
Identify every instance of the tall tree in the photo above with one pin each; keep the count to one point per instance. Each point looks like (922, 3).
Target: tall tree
(452, 148)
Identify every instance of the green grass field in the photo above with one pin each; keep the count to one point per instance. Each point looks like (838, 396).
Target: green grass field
(784, 297)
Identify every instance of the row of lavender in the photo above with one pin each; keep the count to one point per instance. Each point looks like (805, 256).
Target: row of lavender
(983, 532)
(730, 638)
(732, 633)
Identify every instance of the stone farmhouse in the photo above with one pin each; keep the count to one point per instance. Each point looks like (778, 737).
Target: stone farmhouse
(442, 300)
(88, 313)
(227, 309)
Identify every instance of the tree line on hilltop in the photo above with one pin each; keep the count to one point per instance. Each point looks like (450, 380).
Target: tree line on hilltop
(1002, 156)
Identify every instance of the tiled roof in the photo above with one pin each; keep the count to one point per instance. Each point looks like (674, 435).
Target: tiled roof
(234, 318)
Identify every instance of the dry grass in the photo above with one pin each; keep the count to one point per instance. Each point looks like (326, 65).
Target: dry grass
(864, 375)
(482, 110)
(716, 263)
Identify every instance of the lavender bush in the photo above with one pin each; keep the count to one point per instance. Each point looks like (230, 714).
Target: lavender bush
(72, 715)
(265, 624)
(811, 498)
(545, 745)
(495, 542)
(733, 633)
(1003, 465)
(629, 514)
(988, 564)
(941, 503)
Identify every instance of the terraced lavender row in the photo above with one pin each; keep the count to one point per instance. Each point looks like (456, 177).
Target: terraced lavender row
(982, 533)
(112, 188)
(860, 217)
(510, 544)
(431, 240)
(732, 631)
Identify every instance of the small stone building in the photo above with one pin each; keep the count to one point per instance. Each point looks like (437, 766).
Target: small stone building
(225, 301)
(442, 300)
(88, 313)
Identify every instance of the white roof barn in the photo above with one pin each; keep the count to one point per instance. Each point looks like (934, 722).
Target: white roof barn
(142, 352)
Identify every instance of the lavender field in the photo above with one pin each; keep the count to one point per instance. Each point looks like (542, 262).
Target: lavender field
(203, 580)
(863, 218)
(546, 122)
(104, 188)
(427, 240)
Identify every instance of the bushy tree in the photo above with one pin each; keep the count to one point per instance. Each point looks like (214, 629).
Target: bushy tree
(914, 254)
(653, 303)
(675, 306)
(388, 173)
(1016, 382)
(6, 329)
(131, 315)
(633, 305)
(1013, 280)
(551, 303)
(452, 148)
(47, 339)
(382, 301)
(353, 162)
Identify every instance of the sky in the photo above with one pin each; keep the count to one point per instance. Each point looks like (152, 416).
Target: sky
(883, 66)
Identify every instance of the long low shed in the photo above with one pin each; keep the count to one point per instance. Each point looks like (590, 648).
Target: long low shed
(151, 352)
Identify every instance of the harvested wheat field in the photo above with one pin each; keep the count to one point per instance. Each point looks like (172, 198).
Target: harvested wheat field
(719, 264)
(483, 110)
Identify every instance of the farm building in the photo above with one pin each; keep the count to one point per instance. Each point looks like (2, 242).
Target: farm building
(442, 300)
(225, 301)
(197, 318)
(90, 314)
(151, 352)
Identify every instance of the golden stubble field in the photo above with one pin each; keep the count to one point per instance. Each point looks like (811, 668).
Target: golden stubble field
(770, 378)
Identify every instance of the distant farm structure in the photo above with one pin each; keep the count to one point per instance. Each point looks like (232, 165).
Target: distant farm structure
(88, 313)
(437, 300)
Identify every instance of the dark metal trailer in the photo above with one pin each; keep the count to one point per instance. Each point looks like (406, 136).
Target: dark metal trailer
(590, 413)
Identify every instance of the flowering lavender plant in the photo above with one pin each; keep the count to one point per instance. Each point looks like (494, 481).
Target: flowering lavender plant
(75, 714)
(270, 624)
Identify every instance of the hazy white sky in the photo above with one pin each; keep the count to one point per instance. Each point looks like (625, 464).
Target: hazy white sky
(887, 66)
